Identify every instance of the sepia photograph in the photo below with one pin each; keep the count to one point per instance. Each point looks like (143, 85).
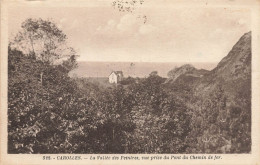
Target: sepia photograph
(116, 80)
(128, 77)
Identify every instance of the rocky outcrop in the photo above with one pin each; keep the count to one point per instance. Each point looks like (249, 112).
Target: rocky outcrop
(186, 70)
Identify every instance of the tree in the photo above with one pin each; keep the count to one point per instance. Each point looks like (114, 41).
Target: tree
(43, 40)
(43, 101)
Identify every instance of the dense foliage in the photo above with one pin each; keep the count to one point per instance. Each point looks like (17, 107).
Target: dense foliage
(219, 125)
(49, 112)
(60, 115)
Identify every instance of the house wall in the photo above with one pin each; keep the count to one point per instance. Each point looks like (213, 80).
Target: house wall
(113, 78)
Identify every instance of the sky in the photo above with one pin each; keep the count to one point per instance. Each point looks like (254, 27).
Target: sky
(168, 34)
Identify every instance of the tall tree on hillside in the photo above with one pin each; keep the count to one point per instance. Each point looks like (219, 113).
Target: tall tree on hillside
(43, 40)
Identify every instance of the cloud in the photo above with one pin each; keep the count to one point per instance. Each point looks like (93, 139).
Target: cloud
(74, 24)
(111, 22)
(61, 23)
(146, 29)
(127, 23)
(62, 20)
(242, 21)
(216, 33)
(108, 27)
(65, 23)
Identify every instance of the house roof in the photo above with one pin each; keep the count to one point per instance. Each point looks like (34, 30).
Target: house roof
(117, 72)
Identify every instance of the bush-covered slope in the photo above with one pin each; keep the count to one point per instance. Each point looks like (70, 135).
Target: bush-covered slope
(221, 104)
(233, 72)
(185, 70)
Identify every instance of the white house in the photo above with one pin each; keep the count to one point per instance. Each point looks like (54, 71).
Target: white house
(115, 77)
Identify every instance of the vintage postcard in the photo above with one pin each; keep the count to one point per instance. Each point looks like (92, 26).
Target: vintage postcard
(130, 81)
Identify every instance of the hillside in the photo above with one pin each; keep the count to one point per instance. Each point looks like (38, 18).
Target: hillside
(233, 72)
(221, 104)
(185, 71)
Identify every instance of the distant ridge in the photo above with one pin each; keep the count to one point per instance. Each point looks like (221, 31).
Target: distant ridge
(135, 69)
(185, 70)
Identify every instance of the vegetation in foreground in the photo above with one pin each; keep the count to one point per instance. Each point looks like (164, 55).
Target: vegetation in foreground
(49, 112)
